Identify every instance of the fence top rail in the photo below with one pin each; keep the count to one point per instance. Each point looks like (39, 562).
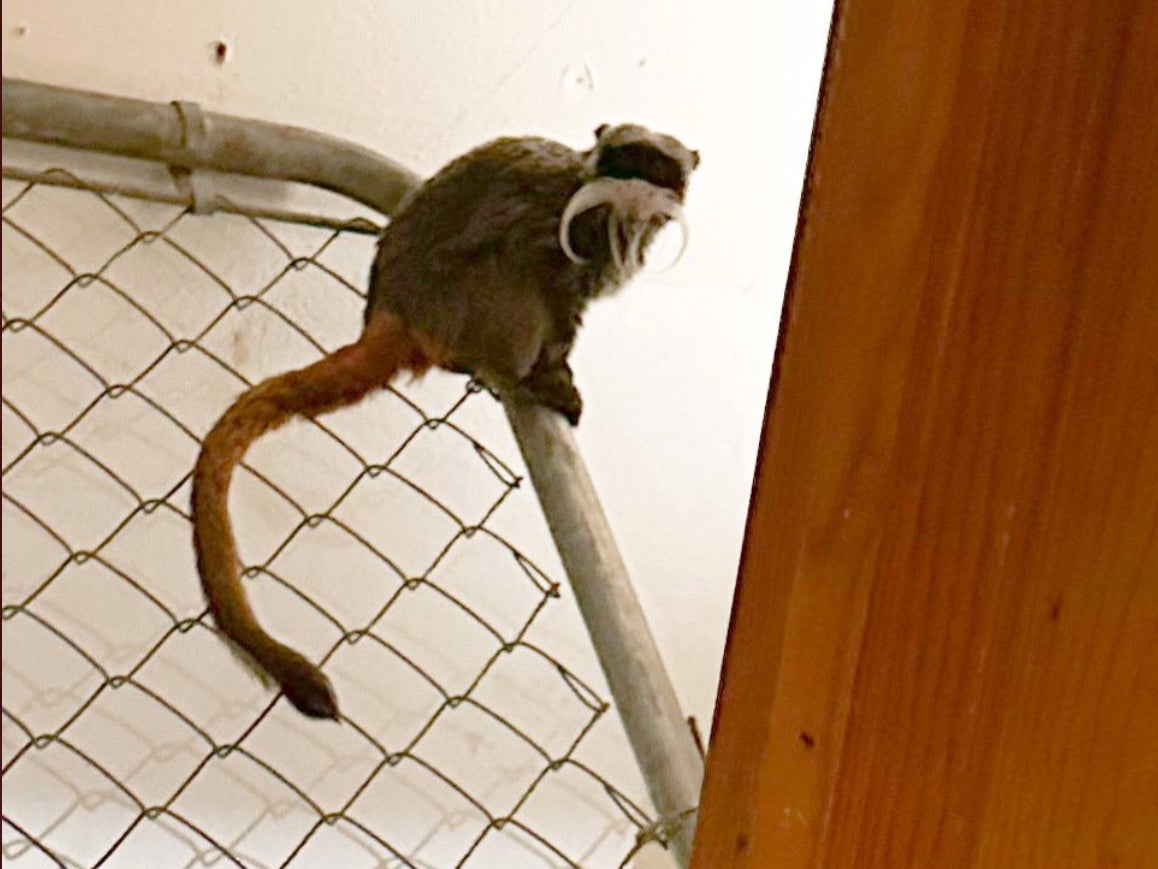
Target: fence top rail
(181, 134)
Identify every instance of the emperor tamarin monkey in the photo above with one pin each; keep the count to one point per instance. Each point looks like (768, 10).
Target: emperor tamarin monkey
(486, 269)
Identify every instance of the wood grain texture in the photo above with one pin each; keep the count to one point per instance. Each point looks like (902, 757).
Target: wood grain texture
(944, 649)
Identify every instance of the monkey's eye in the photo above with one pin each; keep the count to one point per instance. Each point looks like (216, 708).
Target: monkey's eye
(643, 162)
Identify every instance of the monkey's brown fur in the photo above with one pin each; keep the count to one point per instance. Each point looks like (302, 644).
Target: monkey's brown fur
(470, 276)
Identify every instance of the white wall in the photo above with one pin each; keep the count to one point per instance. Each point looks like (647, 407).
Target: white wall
(675, 369)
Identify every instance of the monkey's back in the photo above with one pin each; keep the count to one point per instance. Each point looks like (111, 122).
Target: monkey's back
(473, 256)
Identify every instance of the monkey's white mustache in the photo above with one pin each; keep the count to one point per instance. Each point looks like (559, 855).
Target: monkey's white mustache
(634, 206)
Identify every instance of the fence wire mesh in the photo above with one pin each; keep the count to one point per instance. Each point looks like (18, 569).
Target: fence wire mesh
(388, 542)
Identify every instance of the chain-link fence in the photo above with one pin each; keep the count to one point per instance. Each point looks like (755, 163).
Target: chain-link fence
(395, 542)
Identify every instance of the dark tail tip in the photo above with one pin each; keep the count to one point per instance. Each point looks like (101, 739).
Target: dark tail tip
(308, 689)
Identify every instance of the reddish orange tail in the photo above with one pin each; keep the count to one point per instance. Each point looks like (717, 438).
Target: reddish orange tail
(339, 380)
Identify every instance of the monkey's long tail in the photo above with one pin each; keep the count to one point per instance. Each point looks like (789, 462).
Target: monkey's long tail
(341, 379)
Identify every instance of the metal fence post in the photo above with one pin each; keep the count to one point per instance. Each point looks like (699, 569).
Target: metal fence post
(644, 695)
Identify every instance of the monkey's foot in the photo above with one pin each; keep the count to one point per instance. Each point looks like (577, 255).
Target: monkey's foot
(554, 388)
(570, 406)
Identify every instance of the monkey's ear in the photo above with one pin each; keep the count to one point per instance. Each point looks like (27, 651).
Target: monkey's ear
(600, 130)
(695, 159)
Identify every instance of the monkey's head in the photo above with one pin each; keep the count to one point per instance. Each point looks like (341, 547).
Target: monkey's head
(628, 151)
(640, 179)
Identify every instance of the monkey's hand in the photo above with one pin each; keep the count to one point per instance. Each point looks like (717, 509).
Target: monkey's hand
(552, 385)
